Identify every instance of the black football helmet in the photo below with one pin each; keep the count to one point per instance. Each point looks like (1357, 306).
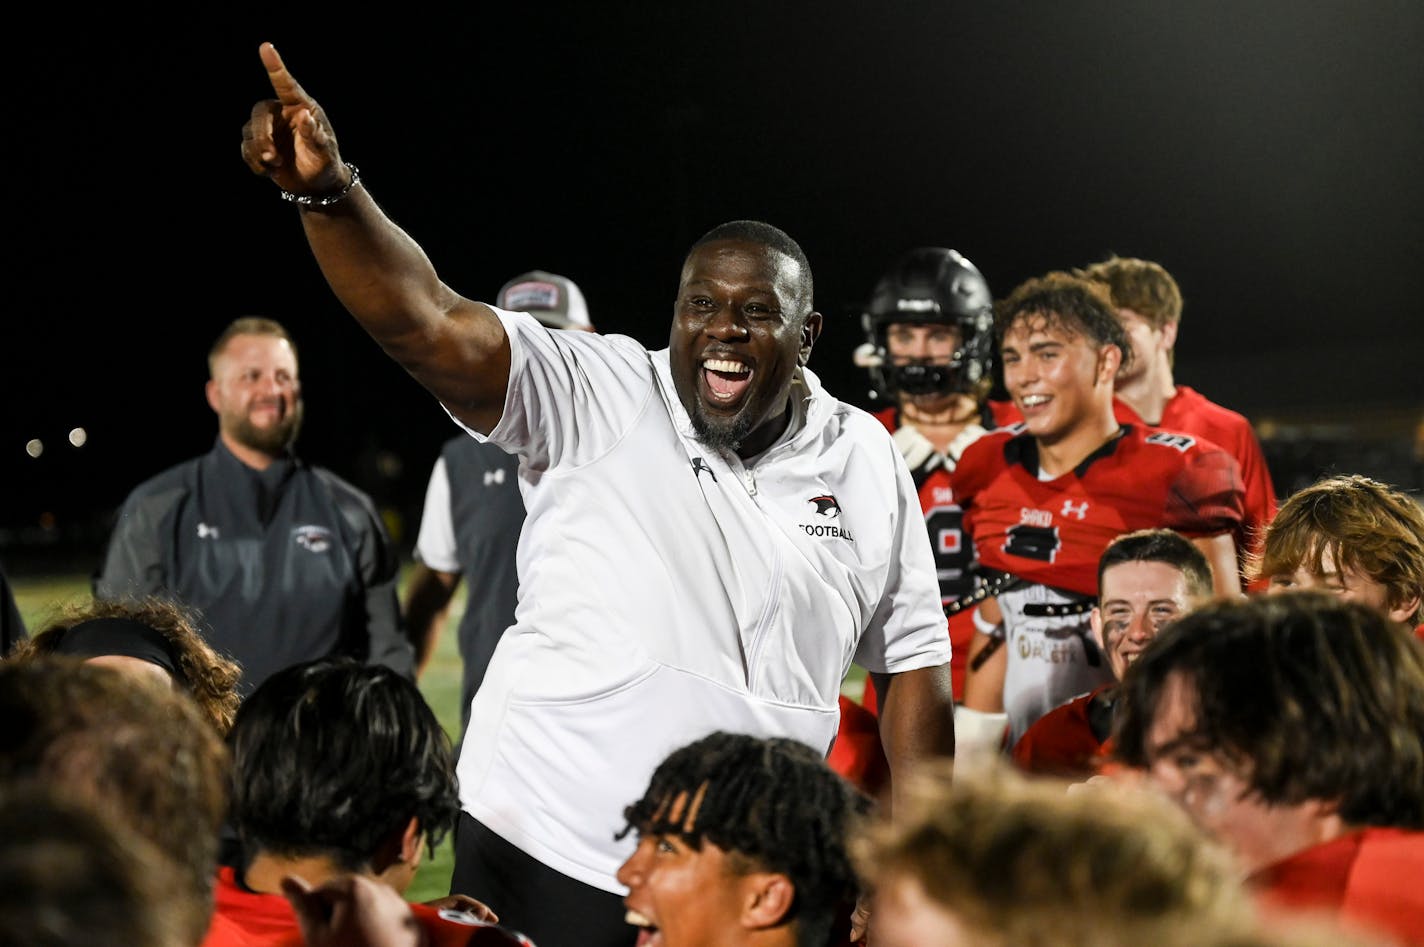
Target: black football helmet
(930, 285)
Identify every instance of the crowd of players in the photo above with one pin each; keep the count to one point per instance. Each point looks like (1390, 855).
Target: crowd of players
(1182, 713)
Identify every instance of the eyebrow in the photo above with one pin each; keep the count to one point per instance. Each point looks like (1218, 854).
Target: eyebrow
(1187, 741)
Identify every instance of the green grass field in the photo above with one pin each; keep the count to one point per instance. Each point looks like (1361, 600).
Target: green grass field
(38, 597)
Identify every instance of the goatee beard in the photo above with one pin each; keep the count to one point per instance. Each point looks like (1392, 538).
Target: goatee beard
(720, 435)
(276, 439)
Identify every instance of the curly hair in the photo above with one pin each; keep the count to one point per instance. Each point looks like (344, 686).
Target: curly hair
(331, 756)
(209, 678)
(1061, 300)
(773, 805)
(139, 751)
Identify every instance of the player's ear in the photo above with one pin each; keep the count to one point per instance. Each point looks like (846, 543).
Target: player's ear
(1109, 361)
(1095, 621)
(1403, 610)
(213, 395)
(1169, 335)
(768, 896)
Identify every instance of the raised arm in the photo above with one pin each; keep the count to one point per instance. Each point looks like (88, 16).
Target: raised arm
(454, 346)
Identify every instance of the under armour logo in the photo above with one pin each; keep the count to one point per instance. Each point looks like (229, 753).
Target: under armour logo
(207, 532)
(699, 465)
(1080, 510)
(494, 476)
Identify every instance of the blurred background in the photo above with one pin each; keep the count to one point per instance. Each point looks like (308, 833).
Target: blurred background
(1267, 152)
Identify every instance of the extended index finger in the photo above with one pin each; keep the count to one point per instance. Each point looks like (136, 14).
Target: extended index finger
(289, 91)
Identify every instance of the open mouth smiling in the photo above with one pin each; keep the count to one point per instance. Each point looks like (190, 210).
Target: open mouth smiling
(725, 381)
(647, 930)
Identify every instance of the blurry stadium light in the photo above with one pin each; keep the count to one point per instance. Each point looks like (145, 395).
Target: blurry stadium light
(34, 447)
(78, 437)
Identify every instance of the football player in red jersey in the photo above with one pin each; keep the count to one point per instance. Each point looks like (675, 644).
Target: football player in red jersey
(1042, 499)
(1146, 579)
(929, 338)
(1289, 728)
(1149, 305)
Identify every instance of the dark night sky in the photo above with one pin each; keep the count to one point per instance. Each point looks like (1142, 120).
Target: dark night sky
(1270, 154)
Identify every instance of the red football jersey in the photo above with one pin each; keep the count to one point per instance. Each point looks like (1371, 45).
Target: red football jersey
(1061, 743)
(1052, 532)
(1368, 878)
(1193, 413)
(953, 554)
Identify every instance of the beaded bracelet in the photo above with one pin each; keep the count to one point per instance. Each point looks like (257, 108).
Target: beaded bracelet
(325, 200)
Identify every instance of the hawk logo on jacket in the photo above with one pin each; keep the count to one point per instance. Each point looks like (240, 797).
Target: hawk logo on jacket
(312, 538)
(828, 508)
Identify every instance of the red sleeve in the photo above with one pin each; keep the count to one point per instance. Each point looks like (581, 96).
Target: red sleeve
(1060, 743)
(1207, 497)
(857, 753)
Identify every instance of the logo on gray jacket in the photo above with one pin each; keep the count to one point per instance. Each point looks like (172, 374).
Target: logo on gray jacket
(312, 538)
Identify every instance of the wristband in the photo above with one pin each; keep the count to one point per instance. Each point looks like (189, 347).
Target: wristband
(324, 200)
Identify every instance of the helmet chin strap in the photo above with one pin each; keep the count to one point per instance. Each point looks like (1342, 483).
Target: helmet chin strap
(961, 410)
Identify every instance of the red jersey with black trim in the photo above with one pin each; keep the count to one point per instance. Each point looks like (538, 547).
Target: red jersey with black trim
(1052, 532)
(1191, 412)
(953, 552)
(1369, 878)
(1062, 743)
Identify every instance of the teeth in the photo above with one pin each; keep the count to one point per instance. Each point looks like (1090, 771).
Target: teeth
(636, 919)
(725, 365)
(1033, 401)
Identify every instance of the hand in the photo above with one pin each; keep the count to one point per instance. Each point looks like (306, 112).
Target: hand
(352, 911)
(289, 138)
(860, 921)
(463, 902)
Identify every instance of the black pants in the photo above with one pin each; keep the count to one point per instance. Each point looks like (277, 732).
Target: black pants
(548, 907)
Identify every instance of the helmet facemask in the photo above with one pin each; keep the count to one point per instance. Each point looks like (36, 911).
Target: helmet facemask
(930, 286)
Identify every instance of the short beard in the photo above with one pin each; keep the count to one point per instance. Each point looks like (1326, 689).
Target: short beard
(719, 434)
(269, 440)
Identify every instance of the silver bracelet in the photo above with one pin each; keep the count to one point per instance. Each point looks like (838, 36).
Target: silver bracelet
(324, 200)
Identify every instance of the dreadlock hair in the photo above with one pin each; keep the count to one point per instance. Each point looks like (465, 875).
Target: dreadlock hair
(772, 805)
